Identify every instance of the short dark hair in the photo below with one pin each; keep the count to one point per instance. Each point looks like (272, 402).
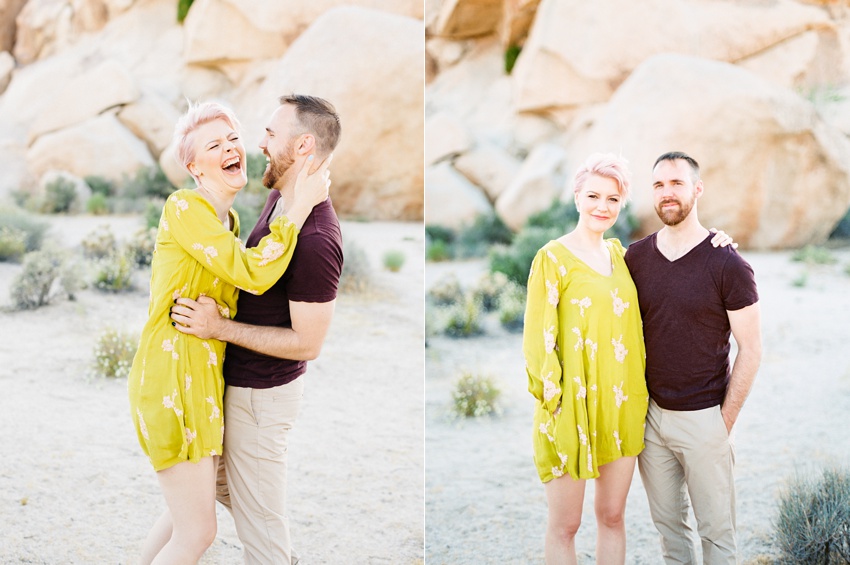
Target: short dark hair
(317, 116)
(679, 155)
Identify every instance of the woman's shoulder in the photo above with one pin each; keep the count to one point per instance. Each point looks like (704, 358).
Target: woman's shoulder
(615, 245)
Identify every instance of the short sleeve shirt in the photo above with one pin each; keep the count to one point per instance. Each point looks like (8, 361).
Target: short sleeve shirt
(686, 328)
(312, 276)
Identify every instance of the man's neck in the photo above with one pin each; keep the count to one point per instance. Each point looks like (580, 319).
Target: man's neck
(676, 241)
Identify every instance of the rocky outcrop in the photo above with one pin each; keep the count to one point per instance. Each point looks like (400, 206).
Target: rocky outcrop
(534, 187)
(450, 199)
(764, 151)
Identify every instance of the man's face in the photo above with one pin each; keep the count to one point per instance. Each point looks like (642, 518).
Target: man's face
(674, 190)
(279, 144)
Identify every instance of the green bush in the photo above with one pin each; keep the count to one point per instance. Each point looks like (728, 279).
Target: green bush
(511, 307)
(60, 196)
(515, 260)
(100, 185)
(813, 254)
(511, 55)
(147, 182)
(394, 260)
(33, 229)
(114, 352)
(98, 204)
(477, 238)
(13, 243)
(475, 396)
(71, 278)
(99, 243)
(32, 287)
(813, 524)
(437, 251)
(446, 291)
(140, 248)
(113, 273)
(183, 9)
(153, 212)
(356, 270)
(463, 319)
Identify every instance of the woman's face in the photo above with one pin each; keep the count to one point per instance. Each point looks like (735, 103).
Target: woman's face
(219, 156)
(599, 203)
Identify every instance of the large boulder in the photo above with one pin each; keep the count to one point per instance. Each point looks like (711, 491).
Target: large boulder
(100, 146)
(152, 119)
(490, 167)
(370, 65)
(467, 18)
(444, 137)
(257, 29)
(7, 65)
(9, 10)
(534, 187)
(105, 86)
(579, 52)
(765, 154)
(452, 201)
(517, 17)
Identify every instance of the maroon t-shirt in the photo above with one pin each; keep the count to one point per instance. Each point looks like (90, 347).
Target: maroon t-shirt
(683, 304)
(312, 276)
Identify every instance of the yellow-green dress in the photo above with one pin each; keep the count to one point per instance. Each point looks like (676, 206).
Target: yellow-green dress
(176, 385)
(585, 359)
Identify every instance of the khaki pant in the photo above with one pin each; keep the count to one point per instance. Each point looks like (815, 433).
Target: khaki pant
(252, 473)
(690, 454)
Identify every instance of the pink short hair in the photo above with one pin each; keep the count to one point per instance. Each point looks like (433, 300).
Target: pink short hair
(198, 115)
(605, 165)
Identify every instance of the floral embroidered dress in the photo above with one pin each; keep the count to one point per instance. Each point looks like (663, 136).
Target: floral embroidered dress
(585, 359)
(175, 384)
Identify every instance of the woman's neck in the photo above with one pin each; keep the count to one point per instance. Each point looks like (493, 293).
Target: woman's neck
(585, 238)
(220, 199)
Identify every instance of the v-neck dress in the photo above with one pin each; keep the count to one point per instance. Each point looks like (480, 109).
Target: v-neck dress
(175, 385)
(585, 360)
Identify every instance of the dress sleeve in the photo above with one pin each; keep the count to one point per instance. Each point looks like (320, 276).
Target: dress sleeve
(541, 329)
(194, 226)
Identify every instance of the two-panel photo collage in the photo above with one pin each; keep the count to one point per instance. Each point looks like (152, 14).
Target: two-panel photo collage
(424, 282)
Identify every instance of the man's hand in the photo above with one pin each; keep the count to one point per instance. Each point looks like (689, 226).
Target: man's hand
(200, 318)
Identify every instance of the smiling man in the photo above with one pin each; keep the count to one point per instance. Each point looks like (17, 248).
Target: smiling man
(274, 334)
(692, 297)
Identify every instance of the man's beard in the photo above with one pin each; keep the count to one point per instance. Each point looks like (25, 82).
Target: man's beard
(674, 217)
(278, 165)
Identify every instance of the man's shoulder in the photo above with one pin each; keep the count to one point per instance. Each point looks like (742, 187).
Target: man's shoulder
(641, 246)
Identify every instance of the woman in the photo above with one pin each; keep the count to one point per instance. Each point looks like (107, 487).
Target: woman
(585, 359)
(175, 385)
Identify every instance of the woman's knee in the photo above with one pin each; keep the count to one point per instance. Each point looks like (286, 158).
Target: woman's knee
(611, 516)
(199, 535)
(565, 526)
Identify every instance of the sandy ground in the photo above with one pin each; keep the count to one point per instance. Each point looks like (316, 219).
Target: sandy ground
(485, 504)
(75, 487)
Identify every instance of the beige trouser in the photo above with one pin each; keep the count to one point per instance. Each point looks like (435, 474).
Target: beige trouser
(690, 453)
(252, 473)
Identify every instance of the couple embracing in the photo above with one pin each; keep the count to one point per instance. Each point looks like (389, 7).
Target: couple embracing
(627, 353)
(181, 387)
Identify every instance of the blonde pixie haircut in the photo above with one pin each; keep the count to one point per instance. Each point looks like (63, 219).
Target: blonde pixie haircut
(197, 115)
(605, 165)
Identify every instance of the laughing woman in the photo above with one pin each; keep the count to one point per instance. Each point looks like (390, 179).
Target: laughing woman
(175, 385)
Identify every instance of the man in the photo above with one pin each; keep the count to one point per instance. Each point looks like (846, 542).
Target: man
(691, 297)
(273, 335)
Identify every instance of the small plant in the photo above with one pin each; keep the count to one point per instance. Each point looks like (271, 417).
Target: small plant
(13, 243)
(97, 204)
(140, 248)
(148, 181)
(439, 243)
(33, 229)
(475, 396)
(153, 213)
(511, 308)
(100, 185)
(814, 255)
(113, 353)
(113, 273)
(511, 55)
(813, 524)
(801, 280)
(32, 287)
(446, 291)
(356, 271)
(489, 287)
(463, 319)
(438, 251)
(100, 243)
(60, 196)
(515, 260)
(393, 260)
(183, 9)
(71, 279)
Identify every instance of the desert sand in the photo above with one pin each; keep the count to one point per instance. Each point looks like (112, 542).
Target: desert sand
(484, 502)
(76, 488)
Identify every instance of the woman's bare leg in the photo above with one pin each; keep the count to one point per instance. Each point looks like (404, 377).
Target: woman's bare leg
(565, 497)
(157, 538)
(612, 488)
(189, 490)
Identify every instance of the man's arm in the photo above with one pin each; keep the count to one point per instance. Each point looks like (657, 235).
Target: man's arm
(303, 342)
(746, 327)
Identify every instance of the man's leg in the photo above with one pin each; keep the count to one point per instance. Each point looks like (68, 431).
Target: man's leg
(258, 422)
(664, 481)
(709, 464)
